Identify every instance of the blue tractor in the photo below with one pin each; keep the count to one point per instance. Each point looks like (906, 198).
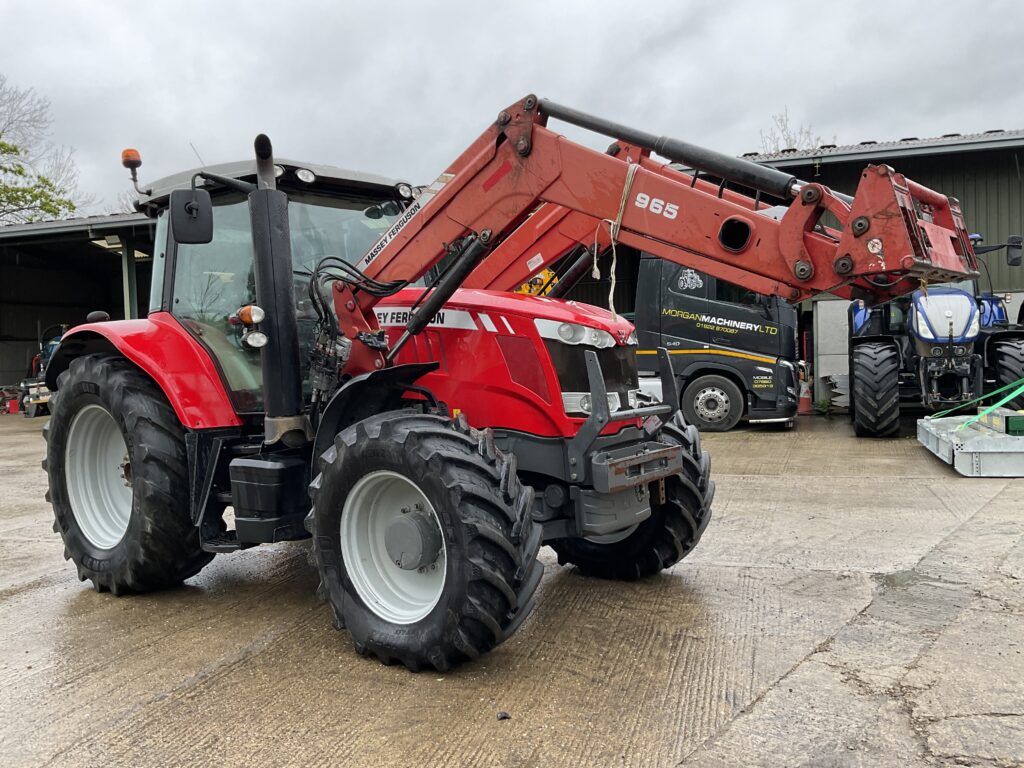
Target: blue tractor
(942, 346)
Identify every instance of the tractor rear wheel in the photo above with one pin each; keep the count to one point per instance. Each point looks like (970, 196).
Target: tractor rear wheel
(118, 478)
(1008, 357)
(424, 539)
(668, 535)
(876, 390)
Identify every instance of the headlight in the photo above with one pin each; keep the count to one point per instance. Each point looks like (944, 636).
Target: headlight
(580, 402)
(960, 350)
(975, 328)
(573, 333)
(937, 351)
(922, 327)
(405, 190)
(255, 339)
(631, 340)
(305, 175)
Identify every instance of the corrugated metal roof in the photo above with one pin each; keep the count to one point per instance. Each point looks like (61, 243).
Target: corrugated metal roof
(869, 150)
(89, 225)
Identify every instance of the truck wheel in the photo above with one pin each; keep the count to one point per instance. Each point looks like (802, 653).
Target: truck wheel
(712, 403)
(424, 539)
(1009, 364)
(118, 478)
(876, 390)
(668, 535)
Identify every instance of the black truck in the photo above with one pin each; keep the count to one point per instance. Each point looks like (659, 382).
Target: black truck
(734, 352)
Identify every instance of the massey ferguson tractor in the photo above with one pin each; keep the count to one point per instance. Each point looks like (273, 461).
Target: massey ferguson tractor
(296, 366)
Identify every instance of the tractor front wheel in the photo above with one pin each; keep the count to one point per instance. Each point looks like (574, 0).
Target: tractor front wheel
(1008, 356)
(424, 539)
(876, 390)
(668, 535)
(118, 478)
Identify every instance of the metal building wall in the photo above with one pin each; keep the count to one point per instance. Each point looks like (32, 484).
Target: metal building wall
(989, 185)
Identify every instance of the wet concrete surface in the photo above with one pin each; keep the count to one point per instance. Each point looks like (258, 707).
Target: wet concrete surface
(853, 603)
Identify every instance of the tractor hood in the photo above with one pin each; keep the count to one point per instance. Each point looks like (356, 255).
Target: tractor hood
(487, 304)
(941, 314)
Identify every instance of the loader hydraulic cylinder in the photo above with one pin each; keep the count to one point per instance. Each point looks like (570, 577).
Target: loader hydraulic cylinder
(742, 172)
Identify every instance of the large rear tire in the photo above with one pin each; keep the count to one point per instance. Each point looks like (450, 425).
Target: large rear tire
(466, 577)
(668, 535)
(118, 478)
(1008, 357)
(876, 390)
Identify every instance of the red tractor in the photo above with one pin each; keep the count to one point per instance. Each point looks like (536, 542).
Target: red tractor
(428, 464)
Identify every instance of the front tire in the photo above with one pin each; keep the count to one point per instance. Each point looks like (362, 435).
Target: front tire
(876, 390)
(669, 534)
(712, 403)
(1008, 357)
(118, 478)
(445, 493)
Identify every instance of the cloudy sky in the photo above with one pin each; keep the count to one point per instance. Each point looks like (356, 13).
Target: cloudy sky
(401, 88)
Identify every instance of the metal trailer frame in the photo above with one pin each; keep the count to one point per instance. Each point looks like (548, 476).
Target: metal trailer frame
(976, 451)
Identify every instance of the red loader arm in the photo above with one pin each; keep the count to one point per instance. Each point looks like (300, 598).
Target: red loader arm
(895, 233)
(793, 257)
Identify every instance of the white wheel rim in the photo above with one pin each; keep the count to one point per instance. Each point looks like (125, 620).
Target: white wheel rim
(396, 595)
(712, 404)
(98, 475)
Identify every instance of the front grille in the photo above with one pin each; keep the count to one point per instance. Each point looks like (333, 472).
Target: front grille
(617, 363)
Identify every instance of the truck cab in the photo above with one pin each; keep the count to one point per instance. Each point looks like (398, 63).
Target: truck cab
(734, 352)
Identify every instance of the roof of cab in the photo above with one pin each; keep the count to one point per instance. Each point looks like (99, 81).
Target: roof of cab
(160, 189)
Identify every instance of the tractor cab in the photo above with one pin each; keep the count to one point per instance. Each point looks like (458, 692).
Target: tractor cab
(210, 287)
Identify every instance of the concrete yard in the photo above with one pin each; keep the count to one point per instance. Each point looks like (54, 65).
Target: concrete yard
(853, 602)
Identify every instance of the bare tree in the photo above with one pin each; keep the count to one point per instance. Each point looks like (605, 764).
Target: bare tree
(38, 178)
(124, 202)
(782, 135)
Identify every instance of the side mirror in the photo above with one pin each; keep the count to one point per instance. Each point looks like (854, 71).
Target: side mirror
(1013, 250)
(191, 216)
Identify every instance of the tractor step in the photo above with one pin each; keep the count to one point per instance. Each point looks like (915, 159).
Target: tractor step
(226, 542)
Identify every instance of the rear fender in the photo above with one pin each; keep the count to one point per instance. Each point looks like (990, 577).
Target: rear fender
(167, 353)
(364, 396)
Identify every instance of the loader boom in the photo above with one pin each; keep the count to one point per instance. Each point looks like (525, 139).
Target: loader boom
(521, 184)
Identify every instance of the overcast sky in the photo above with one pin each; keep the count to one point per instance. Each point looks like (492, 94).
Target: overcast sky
(401, 88)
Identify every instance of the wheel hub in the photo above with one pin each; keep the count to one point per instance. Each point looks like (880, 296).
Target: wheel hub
(413, 540)
(393, 547)
(98, 474)
(712, 404)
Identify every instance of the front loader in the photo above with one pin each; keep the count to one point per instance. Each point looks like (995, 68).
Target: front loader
(428, 439)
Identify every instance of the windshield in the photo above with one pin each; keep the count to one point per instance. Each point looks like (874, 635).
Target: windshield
(212, 281)
(967, 286)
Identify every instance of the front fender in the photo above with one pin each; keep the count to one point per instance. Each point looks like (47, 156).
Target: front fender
(364, 396)
(876, 339)
(169, 354)
(989, 336)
